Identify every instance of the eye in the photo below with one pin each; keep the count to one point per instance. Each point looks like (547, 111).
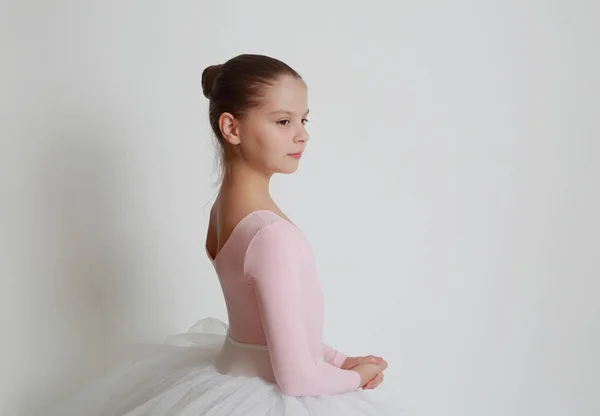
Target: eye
(286, 122)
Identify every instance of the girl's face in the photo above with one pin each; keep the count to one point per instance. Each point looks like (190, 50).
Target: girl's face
(272, 133)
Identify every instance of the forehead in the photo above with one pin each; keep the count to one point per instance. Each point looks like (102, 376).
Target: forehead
(287, 93)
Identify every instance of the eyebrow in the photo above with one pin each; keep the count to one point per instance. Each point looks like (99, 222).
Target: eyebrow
(285, 112)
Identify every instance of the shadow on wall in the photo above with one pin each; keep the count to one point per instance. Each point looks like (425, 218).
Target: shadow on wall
(85, 280)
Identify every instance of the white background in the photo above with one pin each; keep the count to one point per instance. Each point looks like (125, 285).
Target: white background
(449, 190)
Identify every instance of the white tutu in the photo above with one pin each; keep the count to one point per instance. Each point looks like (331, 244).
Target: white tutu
(181, 378)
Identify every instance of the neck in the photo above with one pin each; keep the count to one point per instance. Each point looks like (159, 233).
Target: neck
(241, 179)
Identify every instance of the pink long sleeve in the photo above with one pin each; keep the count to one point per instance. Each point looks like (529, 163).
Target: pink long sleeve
(333, 356)
(279, 268)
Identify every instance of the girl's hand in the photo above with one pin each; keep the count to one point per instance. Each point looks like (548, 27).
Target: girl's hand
(368, 373)
(351, 362)
(368, 381)
(374, 382)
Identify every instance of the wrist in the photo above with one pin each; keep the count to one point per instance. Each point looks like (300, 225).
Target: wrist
(339, 359)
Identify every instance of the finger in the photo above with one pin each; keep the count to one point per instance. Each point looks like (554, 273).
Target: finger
(377, 382)
(370, 385)
(383, 364)
(374, 382)
(369, 382)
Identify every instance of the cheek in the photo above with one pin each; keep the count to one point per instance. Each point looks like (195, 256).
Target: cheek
(273, 143)
(255, 144)
(268, 146)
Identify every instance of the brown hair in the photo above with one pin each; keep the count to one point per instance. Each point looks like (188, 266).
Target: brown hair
(236, 87)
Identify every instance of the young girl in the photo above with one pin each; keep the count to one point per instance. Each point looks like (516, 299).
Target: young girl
(270, 358)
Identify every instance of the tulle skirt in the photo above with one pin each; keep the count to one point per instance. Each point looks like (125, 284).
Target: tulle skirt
(185, 377)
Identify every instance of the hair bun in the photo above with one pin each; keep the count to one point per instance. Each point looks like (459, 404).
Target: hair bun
(208, 78)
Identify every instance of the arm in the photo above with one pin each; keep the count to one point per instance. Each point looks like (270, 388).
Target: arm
(333, 357)
(272, 265)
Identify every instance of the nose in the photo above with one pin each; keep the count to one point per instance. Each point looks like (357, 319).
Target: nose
(301, 137)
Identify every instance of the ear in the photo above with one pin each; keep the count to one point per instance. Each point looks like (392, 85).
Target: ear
(230, 128)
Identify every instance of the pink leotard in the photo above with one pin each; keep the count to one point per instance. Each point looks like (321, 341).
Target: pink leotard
(273, 297)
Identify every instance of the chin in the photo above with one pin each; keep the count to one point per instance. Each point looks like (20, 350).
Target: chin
(287, 169)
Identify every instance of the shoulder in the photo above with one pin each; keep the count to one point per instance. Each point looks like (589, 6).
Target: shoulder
(264, 218)
(276, 239)
(271, 230)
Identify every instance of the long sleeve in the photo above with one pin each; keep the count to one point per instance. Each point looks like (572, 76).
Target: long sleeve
(272, 265)
(333, 357)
